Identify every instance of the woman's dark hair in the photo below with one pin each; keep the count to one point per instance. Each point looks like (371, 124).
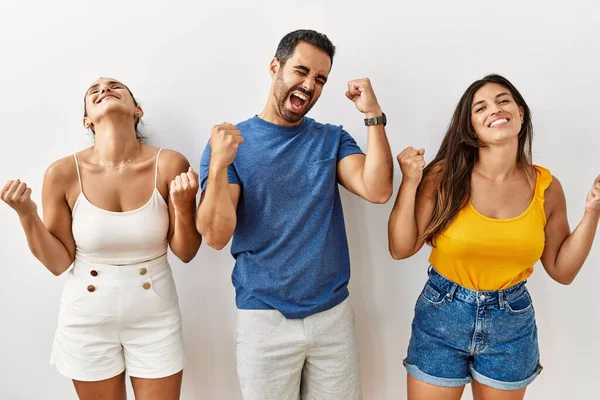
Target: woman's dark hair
(288, 44)
(452, 167)
(138, 134)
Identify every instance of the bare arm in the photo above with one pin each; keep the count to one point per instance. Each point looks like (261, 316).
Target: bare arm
(566, 251)
(217, 216)
(413, 207)
(51, 241)
(217, 213)
(370, 176)
(183, 237)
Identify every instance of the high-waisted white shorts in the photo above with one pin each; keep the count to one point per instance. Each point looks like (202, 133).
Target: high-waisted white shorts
(114, 318)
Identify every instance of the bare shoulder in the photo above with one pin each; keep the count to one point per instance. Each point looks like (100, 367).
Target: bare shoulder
(61, 180)
(172, 163)
(554, 194)
(554, 198)
(62, 171)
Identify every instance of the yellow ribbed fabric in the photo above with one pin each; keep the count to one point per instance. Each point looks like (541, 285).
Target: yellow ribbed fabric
(486, 254)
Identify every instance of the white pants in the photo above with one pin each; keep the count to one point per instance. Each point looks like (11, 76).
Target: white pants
(114, 318)
(314, 358)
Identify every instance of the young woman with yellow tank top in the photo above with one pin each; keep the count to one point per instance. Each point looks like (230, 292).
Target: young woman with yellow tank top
(113, 209)
(489, 215)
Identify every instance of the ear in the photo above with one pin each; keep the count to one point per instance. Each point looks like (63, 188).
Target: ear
(521, 112)
(274, 67)
(87, 123)
(139, 113)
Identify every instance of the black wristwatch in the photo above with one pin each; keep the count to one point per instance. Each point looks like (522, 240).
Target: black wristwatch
(376, 120)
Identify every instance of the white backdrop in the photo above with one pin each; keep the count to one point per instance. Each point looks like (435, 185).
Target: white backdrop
(193, 64)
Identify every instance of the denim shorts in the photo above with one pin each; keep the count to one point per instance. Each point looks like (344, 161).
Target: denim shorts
(459, 334)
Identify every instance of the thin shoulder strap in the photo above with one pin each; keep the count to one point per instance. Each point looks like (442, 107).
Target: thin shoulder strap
(78, 174)
(156, 169)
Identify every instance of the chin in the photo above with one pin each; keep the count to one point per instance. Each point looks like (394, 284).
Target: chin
(292, 116)
(500, 138)
(298, 114)
(115, 108)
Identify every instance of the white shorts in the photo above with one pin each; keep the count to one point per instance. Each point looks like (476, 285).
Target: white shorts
(114, 318)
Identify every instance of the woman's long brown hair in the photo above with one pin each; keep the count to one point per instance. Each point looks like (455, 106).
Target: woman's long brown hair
(453, 165)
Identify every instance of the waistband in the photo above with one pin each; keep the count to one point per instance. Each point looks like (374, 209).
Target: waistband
(120, 272)
(453, 290)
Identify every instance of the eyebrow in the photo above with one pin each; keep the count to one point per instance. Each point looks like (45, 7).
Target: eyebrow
(305, 69)
(483, 101)
(98, 84)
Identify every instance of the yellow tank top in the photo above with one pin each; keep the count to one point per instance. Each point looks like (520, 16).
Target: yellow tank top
(484, 253)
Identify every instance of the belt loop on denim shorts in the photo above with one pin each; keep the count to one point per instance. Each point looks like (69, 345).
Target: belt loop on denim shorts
(451, 292)
(429, 270)
(501, 301)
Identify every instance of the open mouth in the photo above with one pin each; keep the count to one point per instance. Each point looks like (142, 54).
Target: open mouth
(298, 100)
(499, 122)
(106, 97)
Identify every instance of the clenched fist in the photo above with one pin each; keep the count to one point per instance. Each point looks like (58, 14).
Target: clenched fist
(18, 196)
(412, 163)
(183, 189)
(224, 142)
(592, 203)
(361, 93)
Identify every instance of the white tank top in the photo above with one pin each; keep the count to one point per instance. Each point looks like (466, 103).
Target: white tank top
(120, 238)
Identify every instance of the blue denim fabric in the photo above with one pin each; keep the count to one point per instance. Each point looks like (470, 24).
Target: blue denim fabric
(459, 334)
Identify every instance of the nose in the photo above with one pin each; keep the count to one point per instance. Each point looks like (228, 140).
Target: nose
(496, 110)
(309, 83)
(105, 89)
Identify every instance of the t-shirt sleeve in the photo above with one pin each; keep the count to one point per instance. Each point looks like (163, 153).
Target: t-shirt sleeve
(347, 146)
(232, 174)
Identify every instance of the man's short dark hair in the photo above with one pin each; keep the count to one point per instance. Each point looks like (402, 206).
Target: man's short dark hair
(288, 44)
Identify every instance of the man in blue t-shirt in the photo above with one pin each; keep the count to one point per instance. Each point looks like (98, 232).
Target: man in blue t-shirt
(271, 182)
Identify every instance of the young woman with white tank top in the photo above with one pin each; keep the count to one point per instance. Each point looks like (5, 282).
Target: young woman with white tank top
(119, 310)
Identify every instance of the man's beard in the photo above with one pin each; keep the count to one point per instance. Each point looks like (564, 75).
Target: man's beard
(282, 93)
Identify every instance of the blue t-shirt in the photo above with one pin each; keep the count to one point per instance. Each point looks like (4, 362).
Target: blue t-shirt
(290, 240)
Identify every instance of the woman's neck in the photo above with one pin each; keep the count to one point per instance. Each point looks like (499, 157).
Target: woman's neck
(497, 163)
(115, 142)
